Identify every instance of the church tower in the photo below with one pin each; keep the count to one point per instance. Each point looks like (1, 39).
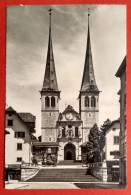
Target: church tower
(50, 96)
(89, 93)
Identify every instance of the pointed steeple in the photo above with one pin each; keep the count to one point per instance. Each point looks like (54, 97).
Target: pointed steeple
(50, 80)
(88, 80)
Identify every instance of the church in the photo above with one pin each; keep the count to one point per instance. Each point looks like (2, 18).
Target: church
(65, 134)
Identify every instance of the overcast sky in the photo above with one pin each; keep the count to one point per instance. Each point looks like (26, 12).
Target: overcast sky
(27, 40)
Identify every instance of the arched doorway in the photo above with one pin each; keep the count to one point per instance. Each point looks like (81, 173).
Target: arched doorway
(69, 152)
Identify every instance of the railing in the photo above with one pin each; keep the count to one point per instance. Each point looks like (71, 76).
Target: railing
(30, 165)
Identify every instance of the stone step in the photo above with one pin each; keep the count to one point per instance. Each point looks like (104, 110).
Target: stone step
(63, 175)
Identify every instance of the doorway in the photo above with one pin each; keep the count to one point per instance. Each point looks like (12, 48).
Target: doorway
(69, 152)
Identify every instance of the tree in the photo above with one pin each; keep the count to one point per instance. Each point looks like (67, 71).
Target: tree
(105, 125)
(95, 145)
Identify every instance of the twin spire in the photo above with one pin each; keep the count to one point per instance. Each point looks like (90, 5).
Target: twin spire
(88, 80)
(50, 80)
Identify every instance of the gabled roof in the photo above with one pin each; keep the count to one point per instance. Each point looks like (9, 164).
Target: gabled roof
(69, 108)
(111, 124)
(10, 109)
(27, 117)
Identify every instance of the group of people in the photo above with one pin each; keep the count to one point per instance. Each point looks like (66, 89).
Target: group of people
(47, 159)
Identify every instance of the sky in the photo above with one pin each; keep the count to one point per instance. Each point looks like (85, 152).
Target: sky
(26, 52)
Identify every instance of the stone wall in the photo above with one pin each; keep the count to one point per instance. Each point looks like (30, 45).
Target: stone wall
(99, 170)
(27, 173)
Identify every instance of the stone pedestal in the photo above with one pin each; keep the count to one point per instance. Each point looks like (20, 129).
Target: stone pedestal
(104, 171)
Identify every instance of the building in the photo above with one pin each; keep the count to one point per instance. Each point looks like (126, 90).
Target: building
(19, 128)
(111, 149)
(121, 73)
(63, 133)
(112, 142)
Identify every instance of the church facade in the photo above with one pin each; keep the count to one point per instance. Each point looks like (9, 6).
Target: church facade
(64, 133)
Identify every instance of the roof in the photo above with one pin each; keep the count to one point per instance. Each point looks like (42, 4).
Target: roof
(112, 123)
(10, 109)
(7, 132)
(88, 80)
(45, 144)
(50, 80)
(84, 144)
(27, 117)
(69, 108)
(122, 68)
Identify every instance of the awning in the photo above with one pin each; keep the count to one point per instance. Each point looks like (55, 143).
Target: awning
(45, 144)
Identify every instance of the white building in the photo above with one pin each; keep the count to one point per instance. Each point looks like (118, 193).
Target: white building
(112, 142)
(19, 126)
(112, 151)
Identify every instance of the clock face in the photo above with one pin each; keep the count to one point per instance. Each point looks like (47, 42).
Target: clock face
(92, 115)
(69, 116)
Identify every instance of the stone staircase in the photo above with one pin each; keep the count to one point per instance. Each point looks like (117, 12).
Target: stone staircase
(54, 174)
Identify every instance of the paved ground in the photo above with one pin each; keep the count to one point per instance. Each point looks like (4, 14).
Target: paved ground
(65, 185)
(46, 185)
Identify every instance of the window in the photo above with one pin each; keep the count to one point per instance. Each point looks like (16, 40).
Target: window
(123, 149)
(19, 159)
(49, 139)
(76, 132)
(87, 101)
(63, 131)
(10, 123)
(69, 126)
(19, 146)
(52, 101)
(116, 154)
(19, 134)
(116, 139)
(47, 101)
(93, 101)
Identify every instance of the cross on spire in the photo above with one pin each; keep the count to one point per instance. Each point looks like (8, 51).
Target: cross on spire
(88, 12)
(50, 10)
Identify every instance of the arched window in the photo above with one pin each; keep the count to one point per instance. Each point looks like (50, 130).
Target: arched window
(63, 131)
(87, 101)
(93, 101)
(47, 101)
(76, 132)
(52, 101)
